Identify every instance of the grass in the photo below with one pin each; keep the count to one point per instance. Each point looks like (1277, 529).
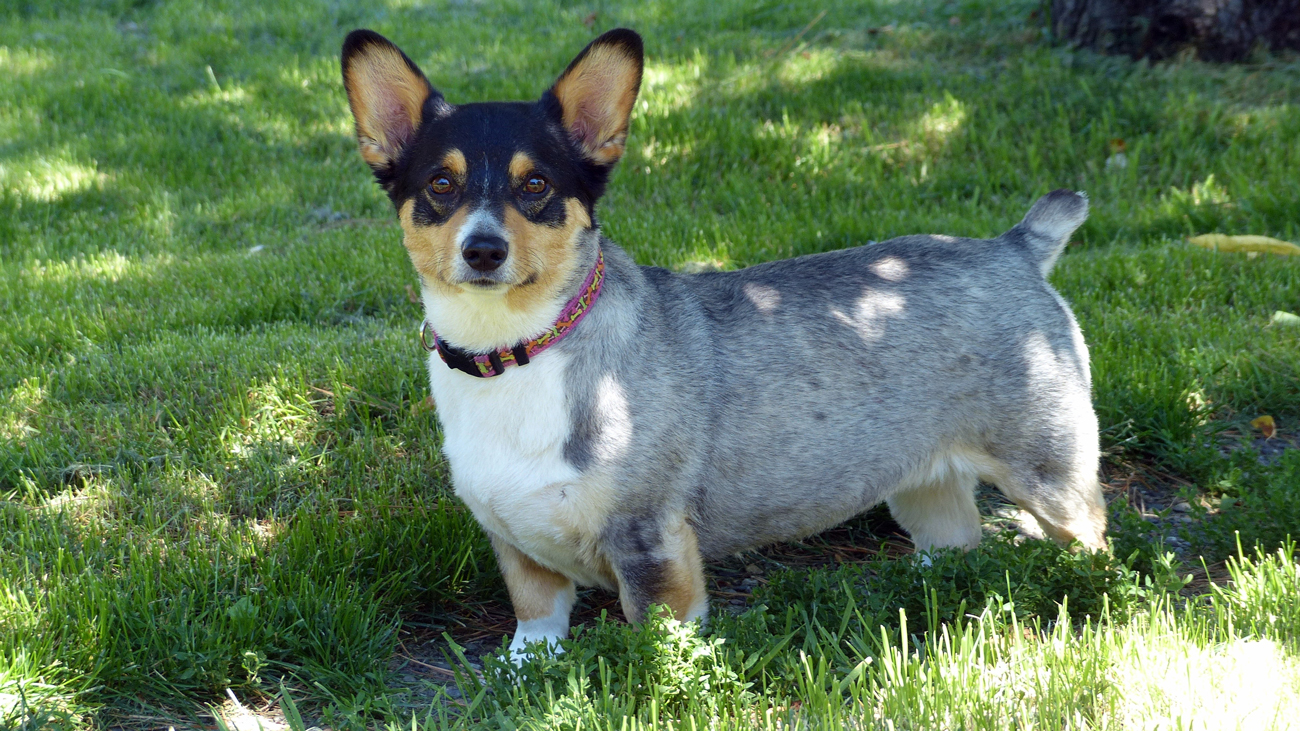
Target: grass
(1227, 662)
(218, 469)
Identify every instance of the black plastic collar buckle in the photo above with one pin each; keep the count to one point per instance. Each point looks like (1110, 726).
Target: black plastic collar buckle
(459, 360)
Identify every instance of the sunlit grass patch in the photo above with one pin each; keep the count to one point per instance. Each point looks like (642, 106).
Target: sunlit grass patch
(47, 179)
(1172, 666)
(24, 60)
(29, 701)
(942, 119)
(274, 416)
(803, 68)
(20, 403)
(168, 601)
(1170, 683)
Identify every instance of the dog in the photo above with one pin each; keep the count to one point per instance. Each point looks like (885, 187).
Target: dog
(615, 425)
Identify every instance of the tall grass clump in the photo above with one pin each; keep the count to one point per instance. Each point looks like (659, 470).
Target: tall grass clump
(154, 619)
(1226, 660)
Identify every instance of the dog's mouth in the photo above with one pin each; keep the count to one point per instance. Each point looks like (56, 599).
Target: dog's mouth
(478, 281)
(496, 281)
(490, 282)
(484, 285)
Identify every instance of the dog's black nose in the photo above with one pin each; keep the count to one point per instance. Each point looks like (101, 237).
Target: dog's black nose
(484, 253)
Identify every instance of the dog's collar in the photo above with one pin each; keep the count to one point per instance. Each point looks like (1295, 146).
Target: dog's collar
(494, 363)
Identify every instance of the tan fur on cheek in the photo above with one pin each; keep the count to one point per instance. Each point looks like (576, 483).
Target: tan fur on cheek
(432, 248)
(532, 587)
(544, 255)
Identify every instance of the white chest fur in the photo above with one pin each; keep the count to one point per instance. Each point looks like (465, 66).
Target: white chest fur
(504, 438)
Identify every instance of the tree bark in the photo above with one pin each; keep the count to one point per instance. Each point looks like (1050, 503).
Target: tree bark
(1219, 30)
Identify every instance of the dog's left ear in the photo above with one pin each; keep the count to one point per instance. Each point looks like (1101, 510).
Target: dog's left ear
(596, 94)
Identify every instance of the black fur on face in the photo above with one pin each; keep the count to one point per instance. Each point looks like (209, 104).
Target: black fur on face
(489, 136)
(535, 169)
(571, 137)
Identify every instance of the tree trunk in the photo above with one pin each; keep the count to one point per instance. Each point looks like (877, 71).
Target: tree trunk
(1219, 30)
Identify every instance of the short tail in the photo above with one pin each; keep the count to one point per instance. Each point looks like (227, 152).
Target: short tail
(1048, 225)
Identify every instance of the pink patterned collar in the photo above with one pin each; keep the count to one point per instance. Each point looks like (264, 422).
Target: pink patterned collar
(494, 363)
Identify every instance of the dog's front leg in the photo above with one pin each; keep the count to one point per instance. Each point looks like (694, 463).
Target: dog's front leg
(542, 599)
(657, 561)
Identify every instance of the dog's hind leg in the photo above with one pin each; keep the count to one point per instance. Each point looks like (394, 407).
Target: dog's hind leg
(542, 599)
(1067, 502)
(659, 562)
(939, 513)
(1050, 470)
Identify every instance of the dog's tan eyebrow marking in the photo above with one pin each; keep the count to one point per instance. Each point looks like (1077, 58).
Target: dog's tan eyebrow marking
(520, 165)
(454, 162)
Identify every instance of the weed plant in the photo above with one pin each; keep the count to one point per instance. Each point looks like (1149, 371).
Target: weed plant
(1251, 503)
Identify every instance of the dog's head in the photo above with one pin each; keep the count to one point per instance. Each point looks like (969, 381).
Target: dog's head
(493, 196)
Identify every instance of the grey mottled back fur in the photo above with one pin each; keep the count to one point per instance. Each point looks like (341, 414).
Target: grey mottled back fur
(779, 400)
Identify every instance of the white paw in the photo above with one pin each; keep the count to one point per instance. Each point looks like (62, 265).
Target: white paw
(699, 612)
(539, 634)
(523, 647)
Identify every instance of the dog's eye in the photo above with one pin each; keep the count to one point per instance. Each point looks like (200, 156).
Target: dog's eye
(535, 185)
(440, 185)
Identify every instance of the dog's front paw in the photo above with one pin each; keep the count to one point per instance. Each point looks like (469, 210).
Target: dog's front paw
(526, 646)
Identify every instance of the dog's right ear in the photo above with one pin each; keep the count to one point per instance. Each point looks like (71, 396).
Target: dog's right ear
(389, 97)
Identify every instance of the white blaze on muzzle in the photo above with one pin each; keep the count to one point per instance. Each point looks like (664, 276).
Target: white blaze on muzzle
(480, 226)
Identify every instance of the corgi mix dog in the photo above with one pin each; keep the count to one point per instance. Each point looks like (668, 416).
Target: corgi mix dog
(616, 425)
